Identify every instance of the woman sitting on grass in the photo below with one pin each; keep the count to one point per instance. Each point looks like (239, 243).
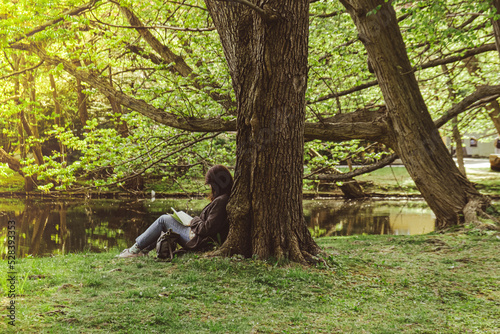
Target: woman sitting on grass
(211, 226)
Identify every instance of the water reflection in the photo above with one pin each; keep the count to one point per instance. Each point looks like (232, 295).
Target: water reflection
(327, 217)
(47, 227)
(60, 227)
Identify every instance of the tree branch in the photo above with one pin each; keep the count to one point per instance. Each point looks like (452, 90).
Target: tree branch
(42, 27)
(432, 63)
(480, 93)
(153, 163)
(358, 171)
(22, 71)
(13, 163)
(263, 13)
(10, 99)
(151, 27)
(156, 27)
(178, 63)
(103, 85)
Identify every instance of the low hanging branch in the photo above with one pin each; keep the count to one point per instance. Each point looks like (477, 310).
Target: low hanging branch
(480, 93)
(177, 64)
(326, 131)
(13, 163)
(153, 163)
(62, 17)
(432, 63)
(158, 115)
(265, 14)
(358, 171)
(22, 71)
(96, 20)
(369, 129)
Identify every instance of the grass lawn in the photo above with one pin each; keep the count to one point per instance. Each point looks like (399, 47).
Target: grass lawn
(389, 179)
(10, 180)
(373, 284)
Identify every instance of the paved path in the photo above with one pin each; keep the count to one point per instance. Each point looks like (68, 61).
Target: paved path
(476, 162)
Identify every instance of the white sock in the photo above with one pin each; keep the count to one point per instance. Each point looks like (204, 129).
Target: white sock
(134, 249)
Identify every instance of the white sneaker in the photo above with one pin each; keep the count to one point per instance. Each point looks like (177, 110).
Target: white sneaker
(126, 253)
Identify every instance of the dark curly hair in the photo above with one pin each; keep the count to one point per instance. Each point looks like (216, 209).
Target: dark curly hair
(220, 180)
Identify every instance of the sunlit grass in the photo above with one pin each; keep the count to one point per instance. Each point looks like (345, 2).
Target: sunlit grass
(10, 180)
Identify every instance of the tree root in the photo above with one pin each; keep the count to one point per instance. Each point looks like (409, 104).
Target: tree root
(314, 259)
(475, 209)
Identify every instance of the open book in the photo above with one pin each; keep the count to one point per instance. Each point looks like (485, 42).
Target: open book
(181, 217)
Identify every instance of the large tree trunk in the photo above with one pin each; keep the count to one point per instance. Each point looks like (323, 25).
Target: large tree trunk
(495, 112)
(496, 24)
(266, 50)
(415, 138)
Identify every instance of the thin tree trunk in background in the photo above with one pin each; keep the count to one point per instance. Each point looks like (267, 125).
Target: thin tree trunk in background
(457, 136)
(82, 103)
(5, 157)
(28, 117)
(494, 113)
(122, 126)
(28, 181)
(267, 59)
(59, 119)
(414, 137)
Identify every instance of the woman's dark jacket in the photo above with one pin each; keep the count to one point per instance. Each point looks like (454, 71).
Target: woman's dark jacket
(211, 226)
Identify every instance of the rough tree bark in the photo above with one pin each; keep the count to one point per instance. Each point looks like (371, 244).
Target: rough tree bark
(13, 163)
(266, 50)
(495, 112)
(413, 135)
(496, 24)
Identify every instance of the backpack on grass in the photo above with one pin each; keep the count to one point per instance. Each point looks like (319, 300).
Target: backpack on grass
(166, 245)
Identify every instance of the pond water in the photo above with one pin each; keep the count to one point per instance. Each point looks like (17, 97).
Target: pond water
(60, 227)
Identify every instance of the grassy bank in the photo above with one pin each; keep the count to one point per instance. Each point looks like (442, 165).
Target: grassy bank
(374, 284)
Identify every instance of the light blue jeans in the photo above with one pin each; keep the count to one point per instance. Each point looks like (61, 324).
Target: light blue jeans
(147, 240)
